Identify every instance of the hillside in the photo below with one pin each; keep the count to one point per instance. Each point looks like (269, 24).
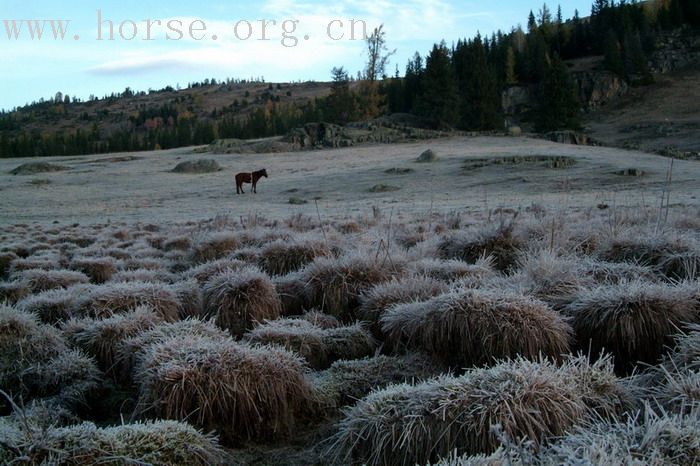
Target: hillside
(170, 118)
(663, 117)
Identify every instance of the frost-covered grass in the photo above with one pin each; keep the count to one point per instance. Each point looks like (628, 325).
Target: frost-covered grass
(449, 338)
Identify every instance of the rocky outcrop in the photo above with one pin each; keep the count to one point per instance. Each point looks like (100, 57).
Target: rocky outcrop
(596, 88)
(675, 50)
(318, 136)
(517, 100)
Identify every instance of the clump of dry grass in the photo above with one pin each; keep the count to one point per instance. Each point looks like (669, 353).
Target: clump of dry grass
(497, 241)
(30, 263)
(243, 392)
(335, 285)
(100, 270)
(40, 280)
(6, 259)
(177, 243)
(451, 270)
(320, 319)
(189, 295)
(319, 347)
(415, 424)
(554, 279)
(54, 306)
(144, 275)
(157, 443)
(214, 246)
(204, 272)
(474, 327)
(118, 298)
(631, 320)
(35, 361)
(132, 350)
(291, 291)
(283, 257)
(615, 272)
(675, 383)
(14, 291)
(376, 300)
(678, 258)
(649, 438)
(102, 338)
(346, 382)
(240, 299)
(67, 379)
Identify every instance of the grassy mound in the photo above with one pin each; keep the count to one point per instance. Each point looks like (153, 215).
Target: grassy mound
(14, 291)
(345, 382)
(335, 285)
(415, 424)
(189, 295)
(54, 306)
(204, 272)
(42, 280)
(318, 346)
(498, 241)
(283, 257)
(291, 291)
(677, 258)
(242, 392)
(35, 168)
(383, 188)
(36, 363)
(118, 298)
(6, 259)
(320, 319)
(473, 327)
(214, 246)
(451, 270)
(631, 320)
(241, 299)
(197, 167)
(102, 338)
(649, 439)
(131, 351)
(376, 300)
(160, 443)
(99, 270)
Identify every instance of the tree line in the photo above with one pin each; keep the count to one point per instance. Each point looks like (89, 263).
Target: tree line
(459, 86)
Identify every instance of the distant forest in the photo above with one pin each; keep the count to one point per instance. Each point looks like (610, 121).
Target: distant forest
(457, 86)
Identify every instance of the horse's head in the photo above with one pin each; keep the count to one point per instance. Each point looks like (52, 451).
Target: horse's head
(263, 172)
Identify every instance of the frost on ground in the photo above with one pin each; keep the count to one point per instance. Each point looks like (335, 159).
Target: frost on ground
(504, 331)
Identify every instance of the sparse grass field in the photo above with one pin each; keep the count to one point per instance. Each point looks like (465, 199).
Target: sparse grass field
(513, 302)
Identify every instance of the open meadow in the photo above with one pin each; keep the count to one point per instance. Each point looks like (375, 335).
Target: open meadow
(501, 301)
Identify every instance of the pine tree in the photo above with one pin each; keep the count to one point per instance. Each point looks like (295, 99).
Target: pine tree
(559, 105)
(439, 101)
(613, 55)
(340, 104)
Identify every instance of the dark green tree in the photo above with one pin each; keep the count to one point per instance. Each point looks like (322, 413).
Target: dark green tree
(438, 101)
(559, 106)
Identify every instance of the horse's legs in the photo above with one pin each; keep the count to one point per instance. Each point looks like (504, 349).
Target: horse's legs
(255, 188)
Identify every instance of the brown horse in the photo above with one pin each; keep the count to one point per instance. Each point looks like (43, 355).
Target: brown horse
(249, 177)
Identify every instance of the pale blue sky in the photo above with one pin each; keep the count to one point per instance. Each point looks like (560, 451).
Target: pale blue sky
(30, 69)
